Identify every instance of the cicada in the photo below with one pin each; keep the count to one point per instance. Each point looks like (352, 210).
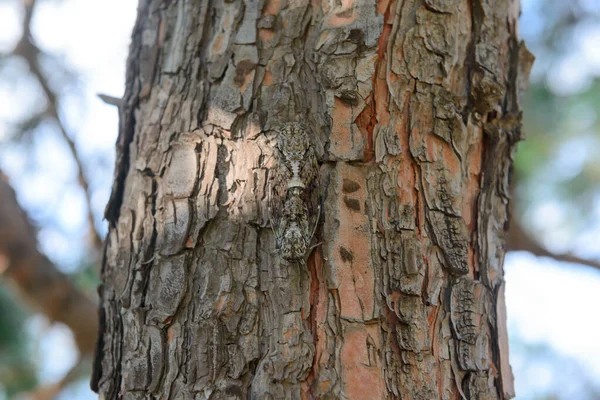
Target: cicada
(294, 192)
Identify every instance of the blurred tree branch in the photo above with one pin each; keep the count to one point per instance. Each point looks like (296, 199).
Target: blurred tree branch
(50, 391)
(27, 50)
(519, 239)
(37, 278)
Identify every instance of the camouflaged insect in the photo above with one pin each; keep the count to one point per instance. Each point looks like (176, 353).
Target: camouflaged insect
(294, 202)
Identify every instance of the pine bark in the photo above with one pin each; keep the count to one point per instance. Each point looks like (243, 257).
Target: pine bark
(413, 109)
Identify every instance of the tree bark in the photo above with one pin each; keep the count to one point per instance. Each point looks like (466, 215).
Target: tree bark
(413, 111)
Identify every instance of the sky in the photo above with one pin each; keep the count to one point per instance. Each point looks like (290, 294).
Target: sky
(548, 303)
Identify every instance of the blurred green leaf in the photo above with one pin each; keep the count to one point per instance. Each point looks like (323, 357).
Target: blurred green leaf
(17, 370)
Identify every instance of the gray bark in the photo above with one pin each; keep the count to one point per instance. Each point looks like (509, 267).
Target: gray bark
(413, 109)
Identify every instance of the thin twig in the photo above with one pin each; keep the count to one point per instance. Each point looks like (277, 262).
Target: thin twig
(51, 391)
(520, 240)
(111, 100)
(30, 52)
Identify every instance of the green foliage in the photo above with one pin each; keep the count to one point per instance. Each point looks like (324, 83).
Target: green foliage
(557, 161)
(17, 371)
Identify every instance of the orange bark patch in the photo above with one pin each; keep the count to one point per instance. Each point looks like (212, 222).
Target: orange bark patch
(505, 370)
(350, 257)
(376, 110)
(223, 304)
(383, 7)
(272, 7)
(362, 373)
(318, 314)
(471, 194)
(345, 137)
(379, 80)
(365, 122)
(218, 44)
(341, 18)
(381, 94)
(473, 263)
(268, 79)
(474, 160)
(265, 34)
(406, 184)
(341, 136)
(451, 160)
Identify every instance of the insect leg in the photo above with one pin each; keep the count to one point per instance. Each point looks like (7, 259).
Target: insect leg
(316, 222)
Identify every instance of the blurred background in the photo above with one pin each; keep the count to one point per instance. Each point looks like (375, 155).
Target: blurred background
(57, 140)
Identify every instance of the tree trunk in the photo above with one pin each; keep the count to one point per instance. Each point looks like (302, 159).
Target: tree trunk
(412, 111)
